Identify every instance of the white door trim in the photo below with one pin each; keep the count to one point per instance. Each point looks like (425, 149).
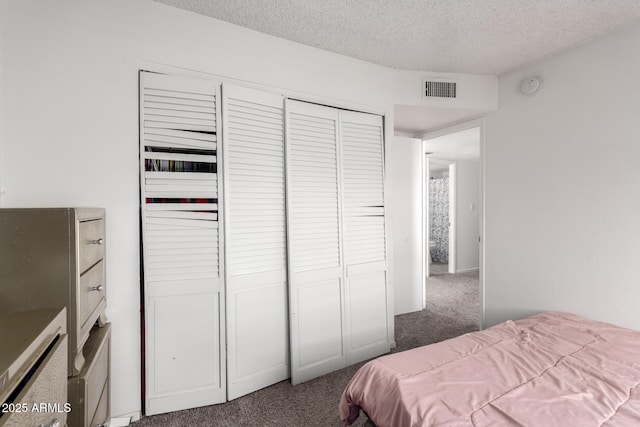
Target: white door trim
(453, 222)
(426, 233)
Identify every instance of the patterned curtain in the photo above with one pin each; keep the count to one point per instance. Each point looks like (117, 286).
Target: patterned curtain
(439, 218)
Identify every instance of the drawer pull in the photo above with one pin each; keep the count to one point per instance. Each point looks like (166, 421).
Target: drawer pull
(53, 423)
(98, 288)
(99, 241)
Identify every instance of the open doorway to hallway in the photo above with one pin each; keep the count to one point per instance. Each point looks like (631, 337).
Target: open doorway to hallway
(452, 213)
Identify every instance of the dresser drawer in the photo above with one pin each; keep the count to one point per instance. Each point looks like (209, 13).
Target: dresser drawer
(101, 415)
(89, 391)
(96, 380)
(46, 390)
(91, 240)
(91, 292)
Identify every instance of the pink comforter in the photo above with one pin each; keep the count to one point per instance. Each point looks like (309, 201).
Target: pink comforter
(551, 369)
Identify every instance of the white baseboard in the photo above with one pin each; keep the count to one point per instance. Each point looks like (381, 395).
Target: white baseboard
(125, 419)
(467, 270)
(120, 422)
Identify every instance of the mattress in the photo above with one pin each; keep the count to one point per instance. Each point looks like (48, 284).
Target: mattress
(551, 369)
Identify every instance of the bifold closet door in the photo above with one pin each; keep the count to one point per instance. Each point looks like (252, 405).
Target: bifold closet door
(339, 305)
(256, 279)
(363, 216)
(316, 288)
(182, 243)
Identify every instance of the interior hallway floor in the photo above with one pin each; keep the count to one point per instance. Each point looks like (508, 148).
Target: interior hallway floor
(439, 268)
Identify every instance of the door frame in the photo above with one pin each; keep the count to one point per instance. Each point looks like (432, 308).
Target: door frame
(426, 225)
(453, 222)
(446, 130)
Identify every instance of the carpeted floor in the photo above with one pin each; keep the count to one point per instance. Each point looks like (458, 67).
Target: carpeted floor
(439, 268)
(452, 309)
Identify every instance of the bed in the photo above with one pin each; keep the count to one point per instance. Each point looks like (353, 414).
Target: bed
(551, 369)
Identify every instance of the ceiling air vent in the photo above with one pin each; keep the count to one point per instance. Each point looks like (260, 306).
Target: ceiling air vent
(438, 89)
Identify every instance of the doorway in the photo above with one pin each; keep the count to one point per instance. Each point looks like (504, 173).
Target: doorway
(452, 208)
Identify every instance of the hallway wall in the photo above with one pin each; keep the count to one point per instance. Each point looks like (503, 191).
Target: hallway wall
(467, 215)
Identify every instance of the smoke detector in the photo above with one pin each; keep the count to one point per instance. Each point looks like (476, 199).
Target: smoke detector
(530, 85)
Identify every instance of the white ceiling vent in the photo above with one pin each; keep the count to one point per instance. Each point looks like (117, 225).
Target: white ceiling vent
(432, 88)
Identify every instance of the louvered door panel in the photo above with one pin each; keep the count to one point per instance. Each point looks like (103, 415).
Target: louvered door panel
(314, 241)
(313, 167)
(257, 333)
(363, 190)
(179, 249)
(182, 242)
(364, 235)
(171, 102)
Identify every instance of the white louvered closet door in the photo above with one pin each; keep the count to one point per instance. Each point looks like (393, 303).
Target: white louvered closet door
(316, 288)
(182, 243)
(257, 331)
(366, 301)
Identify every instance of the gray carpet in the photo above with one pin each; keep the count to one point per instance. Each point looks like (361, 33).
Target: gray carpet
(452, 310)
(439, 268)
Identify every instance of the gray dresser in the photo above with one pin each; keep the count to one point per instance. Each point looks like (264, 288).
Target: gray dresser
(55, 257)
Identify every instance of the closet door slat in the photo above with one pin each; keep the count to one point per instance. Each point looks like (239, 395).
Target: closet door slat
(203, 158)
(171, 138)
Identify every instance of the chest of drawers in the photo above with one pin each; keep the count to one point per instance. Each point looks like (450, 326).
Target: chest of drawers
(55, 257)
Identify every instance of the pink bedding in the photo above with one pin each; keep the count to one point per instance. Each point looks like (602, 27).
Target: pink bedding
(551, 369)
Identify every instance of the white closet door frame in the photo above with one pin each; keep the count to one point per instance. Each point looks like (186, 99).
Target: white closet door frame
(316, 292)
(185, 360)
(256, 279)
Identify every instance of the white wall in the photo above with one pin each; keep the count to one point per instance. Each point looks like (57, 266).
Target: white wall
(560, 233)
(70, 112)
(404, 160)
(467, 219)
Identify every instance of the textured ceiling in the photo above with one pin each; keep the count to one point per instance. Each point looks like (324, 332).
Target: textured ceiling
(460, 36)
